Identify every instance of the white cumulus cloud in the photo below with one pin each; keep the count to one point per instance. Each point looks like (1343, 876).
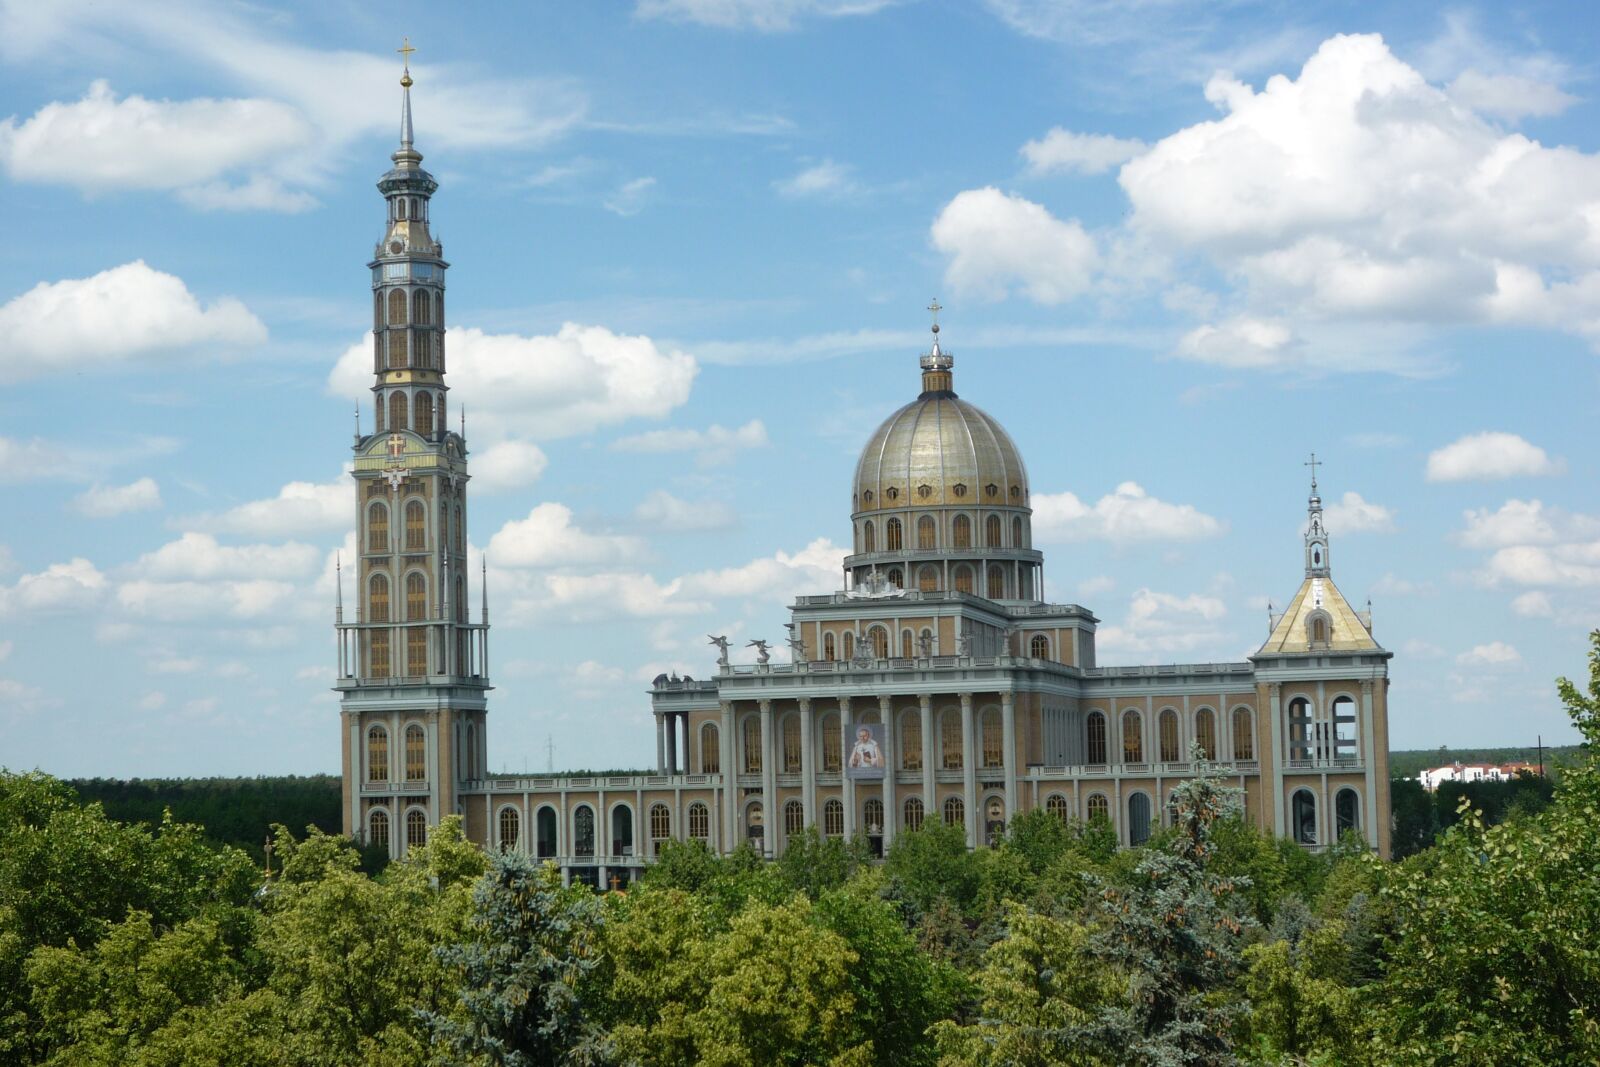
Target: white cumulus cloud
(663, 511)
(715, 444)
(200, 556)
(768, 16)
(1164, 627)
(1493, 654)
(299, 508)
(825, 179)
(1351, 514)
(995, 242)
(1241, 342)
(1086, 153)
(109, 501)
(508, 465)
(1509, 96)
(1482, 457)
(71, 586)
(549, 538)
(1127, 514)
(818, 567)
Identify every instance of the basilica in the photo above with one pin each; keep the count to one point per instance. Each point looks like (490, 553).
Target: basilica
(937, 685)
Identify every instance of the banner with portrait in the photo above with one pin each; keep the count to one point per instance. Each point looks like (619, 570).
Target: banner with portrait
(865, 757)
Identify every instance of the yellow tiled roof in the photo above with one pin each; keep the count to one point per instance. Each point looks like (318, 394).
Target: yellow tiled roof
(1349, 634)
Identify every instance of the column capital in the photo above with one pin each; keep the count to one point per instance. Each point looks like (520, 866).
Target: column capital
(844, 706)
(885, 704)
(765, 705)
(926, 700)
(1366, 687)
(804, 703)
(1007, 698)
(726, 706)
(966, 701)
(1274, 690)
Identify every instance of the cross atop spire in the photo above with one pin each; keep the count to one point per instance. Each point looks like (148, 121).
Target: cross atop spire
(936, 362)
(935, 308)
(1313, 463)
(405, 51)
(406, 154)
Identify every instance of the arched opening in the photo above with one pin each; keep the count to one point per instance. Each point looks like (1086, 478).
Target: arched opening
(377, 526)
(849, 645)
(510, 829)
(1244, 734)
(421, 308)
(927, 579)
(699, 822)
(829, 649)
(1056, 804)
(1099, 808)
(750, 734)
(993, 739)
(791, 744)
(997, 583)
(926, 536)
(963, 578)
(710, 750)
(583, 831)
(911, 741)
(378, 598)
(794, 818)
(544, 829)
(913, 813)
(869, 537)
(991, 532)
(1346, 810)
(872, 820)
(416, 597)
(416, 754)
(832, 743)
(1167, 723)
(908, 645)
(880, 642)
(1138, 819)
(994, 820)
(416, 829)
(397, 307)
(1095, 736)
(961, 532)
(955, 811)
(950, 739)
(897, 578)
(378, 828)
(1303, 816)
(1016, 533)
(660, 827)
(378, 654)
(1132, 737)
(833, 819)
(1205, 733)
(621, 830)
(424, 420)
(1345, 743)
(377, 754)
(1039, 647)
(1300, 729)
(397, 401)
(893, 537)
(416, 526)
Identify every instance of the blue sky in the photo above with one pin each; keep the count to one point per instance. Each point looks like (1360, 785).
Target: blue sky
(1180, 246)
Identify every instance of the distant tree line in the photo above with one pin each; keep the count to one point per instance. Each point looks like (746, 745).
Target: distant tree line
(1410, 762)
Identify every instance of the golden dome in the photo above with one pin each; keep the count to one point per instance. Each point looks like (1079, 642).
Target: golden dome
(940, 450)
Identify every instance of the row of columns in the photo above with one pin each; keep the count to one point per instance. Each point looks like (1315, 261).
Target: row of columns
(670, 727)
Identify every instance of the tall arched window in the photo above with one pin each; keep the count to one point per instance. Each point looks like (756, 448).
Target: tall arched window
(1099, 807)
(927, 579)
(991, 531)
(950, 739)
(833, 818)
(1300, 742)
(421, 308)
(1167, 722)
(911, 741)
(377, 754)
(438, 311)
(416, 597)
(961, 532)
(897, 578)
(510, 829)
(397, 401)
(849, 645)
(710, 750)
(908, 645)
(378, 654)
(416, 526)
(378, 828)
(791, 744)
(1016, 533)
(1095, 735)
(794, 818)
(460, 530)
(1303, 816)
(660, 827)
(926, 535)
(893, 538)
(416, 828)
(880, 642)
(993, 739)
(1132, 737)
(872, 817)
(699, 822)
(1344, 728)
(1346, 811)
(416, 754)
(1039, 647)
(963, 578)
(377, 526)
(830, 651)
(750, 731)
(997, 583)
(424, 420)
(621, 831)
(544, 832)
(397, 307)
(869, 537)
(1205, 733)
(1138, 819)
(583, 831)
(832, 743)
(913, 813)
(1244, 734)
(378, 599)
(1056, 805)
(955, 812)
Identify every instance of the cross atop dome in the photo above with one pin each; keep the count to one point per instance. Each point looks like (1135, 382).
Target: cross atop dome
(936, 362)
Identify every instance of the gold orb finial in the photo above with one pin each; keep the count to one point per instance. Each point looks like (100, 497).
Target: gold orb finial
(405, 51)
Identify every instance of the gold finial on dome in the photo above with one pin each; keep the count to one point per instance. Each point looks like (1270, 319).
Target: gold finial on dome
(405, 51)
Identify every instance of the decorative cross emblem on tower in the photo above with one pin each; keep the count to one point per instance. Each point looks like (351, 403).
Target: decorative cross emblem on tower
(397, 446)
(1313, 463)
(405, 51)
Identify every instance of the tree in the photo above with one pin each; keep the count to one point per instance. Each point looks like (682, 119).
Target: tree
(924, 865)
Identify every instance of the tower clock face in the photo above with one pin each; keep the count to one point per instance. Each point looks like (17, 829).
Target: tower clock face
(396, 247)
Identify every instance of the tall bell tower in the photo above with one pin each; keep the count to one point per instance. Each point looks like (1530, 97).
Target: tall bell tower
(413, 669)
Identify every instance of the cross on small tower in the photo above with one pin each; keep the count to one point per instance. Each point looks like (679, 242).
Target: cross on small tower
(405, 51)
(1313, 463)
(935, 308)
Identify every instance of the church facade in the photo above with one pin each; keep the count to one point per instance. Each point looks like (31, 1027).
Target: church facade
(937, 685)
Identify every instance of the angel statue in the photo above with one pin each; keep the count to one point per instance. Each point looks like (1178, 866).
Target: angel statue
(964, 644)
(926, 641)
(722, 649)
(763, 650)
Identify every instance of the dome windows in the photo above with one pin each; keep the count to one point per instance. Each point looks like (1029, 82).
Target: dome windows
(924, 490)
(892, 493)
(991, 490)
(958, 489)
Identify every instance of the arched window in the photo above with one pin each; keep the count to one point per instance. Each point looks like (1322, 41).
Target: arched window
(832, 743)
(950, 739)
(1132, 737)
(469, 755)
(660, 827)
(833, 819)
(1346, 811)
(991, 531)
(544, 830)
(460, 530)
(621, 830)
(416, 597)
(750, 731)
(421, 308)
(510, 829)
(961, 532)
(699, 822)
(880, 642)
(1095, 735)
(1138, 819)
(897, 578)
(1303, 816)
(378, 654)
(893, 539)
(963, 578)
(377, 754)
(424, 420)
(997, 583)
(377, 526)
(993, 739)
(583, 831)
(955, 812)
(1317, 630)
(378, 828)
(869, 537)
(397, 401)
(710, 750)
(926, 536)
(872, 817)
(794, 818)
(791, 744)
(416, 828)
(377, 311)
(416, 754)
(830, 652)
(1039, 647)
(1016, 533)
(1244, 734)
(927, 579)
(416, 526)
(1344, 728)
(849, 645)
(378, 599)
(913, 816)
(1099, 807)
(438, 311)
(1167, 722)
(1056, 805)
(397, 307)
(401, 204)
(911, 741)
(908, 645)
(1205, 733)
(1300, 743)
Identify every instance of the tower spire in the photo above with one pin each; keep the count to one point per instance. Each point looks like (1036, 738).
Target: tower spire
(1316, 534)
(937, 378)
(407, 154)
